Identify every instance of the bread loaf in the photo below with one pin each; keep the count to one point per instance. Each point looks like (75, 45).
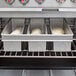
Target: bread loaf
(17, 31)
(36, 31)
(57, 31)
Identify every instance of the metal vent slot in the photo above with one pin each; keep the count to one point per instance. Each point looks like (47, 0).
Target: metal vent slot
(74, 53)
(13, 53)
(52, 53)
(63, 53)
(7, 53)
(69, 53)
(2, 53)
(46, 53)
(19, 53)
(29, 53)
(24, 53)
(41, 54)
(58, 53)
(36, 54)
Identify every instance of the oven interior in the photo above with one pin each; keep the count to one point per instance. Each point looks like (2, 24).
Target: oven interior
(37, 36)
(44, 27)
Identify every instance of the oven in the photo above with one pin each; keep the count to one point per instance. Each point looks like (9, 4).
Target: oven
(38, 37)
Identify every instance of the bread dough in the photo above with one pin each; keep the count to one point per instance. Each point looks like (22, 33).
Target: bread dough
(17, 31)
(57, 31)
(36, 31)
